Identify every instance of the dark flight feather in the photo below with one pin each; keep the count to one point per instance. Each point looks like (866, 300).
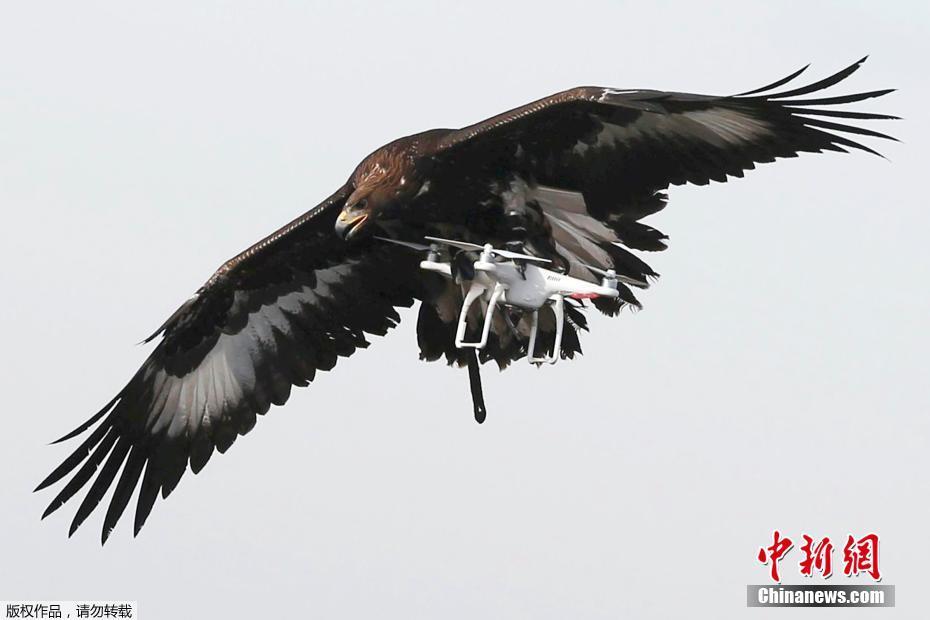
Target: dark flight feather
(827, 82)
(776, 83)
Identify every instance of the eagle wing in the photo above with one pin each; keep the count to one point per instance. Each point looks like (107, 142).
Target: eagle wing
(590, 162)
(596, 160)
(268, 319)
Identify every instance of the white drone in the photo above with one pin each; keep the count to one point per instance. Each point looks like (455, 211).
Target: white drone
(512, 279)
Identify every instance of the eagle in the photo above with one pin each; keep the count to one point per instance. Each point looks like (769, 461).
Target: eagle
(569, 178)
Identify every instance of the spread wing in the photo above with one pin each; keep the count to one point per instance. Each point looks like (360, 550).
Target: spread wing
(593, 161)
(268, 319)
(640, 141)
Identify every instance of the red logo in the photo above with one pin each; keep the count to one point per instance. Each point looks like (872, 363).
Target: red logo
(859, 556)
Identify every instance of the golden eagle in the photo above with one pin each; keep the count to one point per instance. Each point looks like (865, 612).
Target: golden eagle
(568, 177)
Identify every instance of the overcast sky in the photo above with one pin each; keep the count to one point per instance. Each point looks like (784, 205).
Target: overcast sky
(776, 378)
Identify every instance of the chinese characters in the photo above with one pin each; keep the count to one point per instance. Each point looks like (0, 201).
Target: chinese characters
(860, 556)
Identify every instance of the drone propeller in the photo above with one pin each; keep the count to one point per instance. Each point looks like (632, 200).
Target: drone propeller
(407, 244)
(465, 245)
(610, 274)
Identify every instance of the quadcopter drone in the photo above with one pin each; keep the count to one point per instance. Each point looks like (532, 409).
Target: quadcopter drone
(513, 280)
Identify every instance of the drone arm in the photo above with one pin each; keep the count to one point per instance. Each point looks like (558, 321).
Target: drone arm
(440, 268)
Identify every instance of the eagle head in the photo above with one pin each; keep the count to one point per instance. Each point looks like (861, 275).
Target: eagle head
(382, 183)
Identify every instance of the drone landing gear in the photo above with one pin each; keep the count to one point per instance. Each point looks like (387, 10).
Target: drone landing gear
(474, 365)
(476, 291)
(558, 308)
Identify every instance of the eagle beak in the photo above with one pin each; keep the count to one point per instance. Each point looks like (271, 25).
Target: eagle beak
(349, 223)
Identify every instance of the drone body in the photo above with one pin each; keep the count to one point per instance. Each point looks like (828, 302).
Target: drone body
(566, 180)
(515, 281)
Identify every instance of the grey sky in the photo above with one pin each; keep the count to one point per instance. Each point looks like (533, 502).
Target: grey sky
(777, 377)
